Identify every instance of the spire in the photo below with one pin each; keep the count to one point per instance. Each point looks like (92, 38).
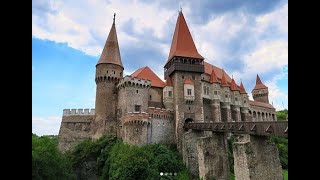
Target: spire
(111, 53)
(168, 81)
(234, 86)
(213, 78)
(182, 43)
(114, 18)
(242, 90)
(259, 84)
(223, 80)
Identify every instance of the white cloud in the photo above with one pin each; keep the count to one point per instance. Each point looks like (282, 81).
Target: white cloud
(46, 125)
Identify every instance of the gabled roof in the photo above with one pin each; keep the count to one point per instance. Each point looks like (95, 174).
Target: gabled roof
(148, 74)
(168, 81)
(218, 71)
(234, 86)
(182, 43)
(111, 53)
(188, 81)
(260, 104)
(259, 84)
(213, 78)
(242, 89)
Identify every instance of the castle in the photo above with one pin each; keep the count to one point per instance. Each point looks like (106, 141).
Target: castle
(142, 109)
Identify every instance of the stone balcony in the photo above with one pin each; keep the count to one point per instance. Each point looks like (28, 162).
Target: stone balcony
(189, 98)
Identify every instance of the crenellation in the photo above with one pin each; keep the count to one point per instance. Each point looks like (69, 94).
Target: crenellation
(77, 112)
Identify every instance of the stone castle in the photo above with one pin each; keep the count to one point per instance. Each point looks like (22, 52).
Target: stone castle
(142, 109)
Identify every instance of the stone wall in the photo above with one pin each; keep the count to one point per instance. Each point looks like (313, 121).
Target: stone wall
(213, 157)
(162, 131)
(74, 129)
(255, 157)
(136, 133)
(207, 110)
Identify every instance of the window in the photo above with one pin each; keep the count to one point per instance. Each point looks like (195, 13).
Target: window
(189, 92)
(245, 101)
(204, 90)
(207, 90)
(215, 92)
(170, 93)
(137, 91)
(182, 77)
(226, 96)
(114, 72)
(193, 77)
(137, 108)
(150, 97)
(236, 99)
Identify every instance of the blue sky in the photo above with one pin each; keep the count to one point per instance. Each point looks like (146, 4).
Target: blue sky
(243, 37)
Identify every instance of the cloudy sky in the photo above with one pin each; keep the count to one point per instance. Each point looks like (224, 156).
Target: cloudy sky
(244, 37)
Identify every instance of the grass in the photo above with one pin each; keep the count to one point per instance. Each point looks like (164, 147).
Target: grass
(285, 174)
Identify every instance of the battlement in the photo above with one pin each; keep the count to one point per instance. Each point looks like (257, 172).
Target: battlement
(128, 81)
(160, 113)
(76, 112)
(136, 118)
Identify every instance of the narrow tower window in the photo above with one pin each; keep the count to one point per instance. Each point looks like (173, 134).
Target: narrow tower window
(137, 108)
(189, 92)
(137, 91)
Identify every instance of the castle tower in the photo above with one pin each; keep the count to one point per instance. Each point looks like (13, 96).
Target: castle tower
(225, 100)
(215, 102)
(244, 104)
(184, 67)
(109, 70)
(235, 101)
(260, 91)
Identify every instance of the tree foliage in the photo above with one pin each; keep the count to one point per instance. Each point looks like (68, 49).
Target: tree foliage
(47, 161)
(282, 115)
(282, 145)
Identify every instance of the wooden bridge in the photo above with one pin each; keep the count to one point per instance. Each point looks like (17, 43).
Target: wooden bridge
(260, 128)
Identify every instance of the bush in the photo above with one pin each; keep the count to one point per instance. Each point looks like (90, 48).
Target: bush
(282, 145)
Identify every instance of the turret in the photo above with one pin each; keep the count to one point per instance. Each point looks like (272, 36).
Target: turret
(225, 99)
(215, 102)
(235, 101)
(260, 91)
(109, 70)
(168, 94)
(244, 104)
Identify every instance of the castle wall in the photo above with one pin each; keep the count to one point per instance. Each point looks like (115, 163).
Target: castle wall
(256, 158)
(258, 113)
(156, 94)
(136, 133)
(75, 127)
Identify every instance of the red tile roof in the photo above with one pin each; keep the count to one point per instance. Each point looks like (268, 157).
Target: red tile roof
(213, 78)
(234, 86)
(223, 80)
(242, 90)
(168, 81)
(148, 74)
(188, 81)
(218, 71)
(261, 104)
(259, 84)
(111, 52)
(182, 43)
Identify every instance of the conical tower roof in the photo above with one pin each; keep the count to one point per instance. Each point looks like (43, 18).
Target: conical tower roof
(259, 84)
(213, 78)
(111, 53)
(182, 43)
(234, 86)
(242, 89)
(224, 82)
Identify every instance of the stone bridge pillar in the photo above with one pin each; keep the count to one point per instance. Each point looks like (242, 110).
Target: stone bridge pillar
(213, 157)
(235, 113)
(256, 158)
(225, 112)
(245, 114)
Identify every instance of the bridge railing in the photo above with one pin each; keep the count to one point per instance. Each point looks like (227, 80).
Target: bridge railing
(260, 128)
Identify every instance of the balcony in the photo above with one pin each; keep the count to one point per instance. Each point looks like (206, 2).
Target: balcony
(216, 97)
(189, 98)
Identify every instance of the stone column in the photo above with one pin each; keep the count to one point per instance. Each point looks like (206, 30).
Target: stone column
(213, 157)
(235, 113)
(245, 114)
(215, 106)
(225, 112)
(256, 158)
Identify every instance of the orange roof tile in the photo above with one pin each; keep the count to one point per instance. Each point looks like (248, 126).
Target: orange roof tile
(223, 80)
(218, 71)
(168, 81)
(234, 86)
(261, 104)
(111, 52)
(213, 78)
(259, 84)
(242, 90)
(148, 74)
(188, 81)
(182, 43)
